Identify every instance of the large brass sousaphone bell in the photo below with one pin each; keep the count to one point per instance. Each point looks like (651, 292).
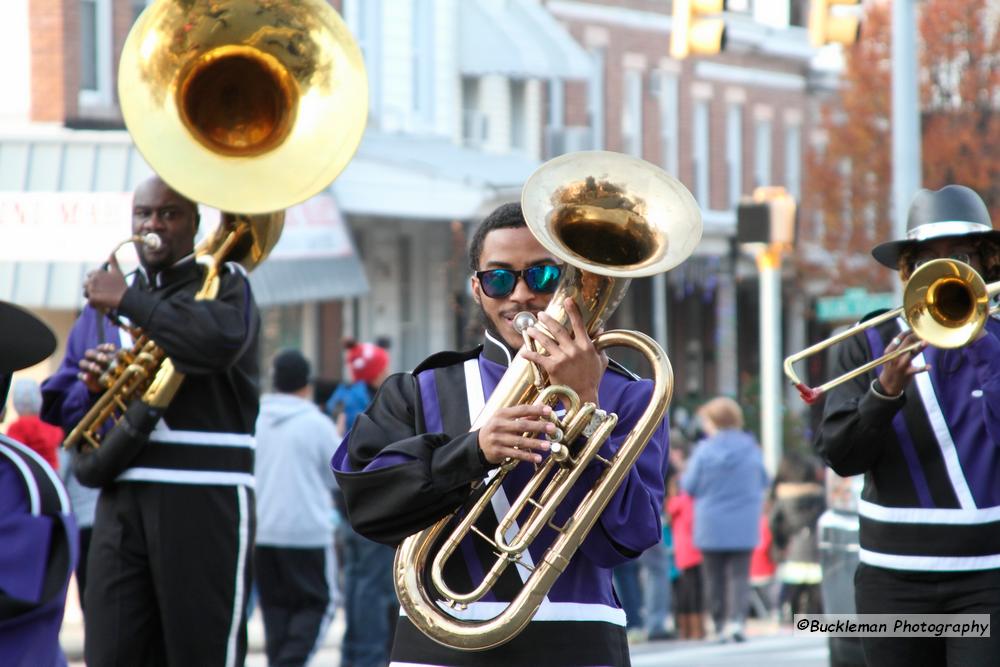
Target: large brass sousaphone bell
(609, 217)
(248, 106)
(244, 105)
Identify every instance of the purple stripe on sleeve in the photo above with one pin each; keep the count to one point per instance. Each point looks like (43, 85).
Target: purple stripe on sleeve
(429, 402)
(902, 432)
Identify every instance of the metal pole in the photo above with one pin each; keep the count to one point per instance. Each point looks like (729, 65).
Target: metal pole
(906, 176)
(660, 310)
(771, 436)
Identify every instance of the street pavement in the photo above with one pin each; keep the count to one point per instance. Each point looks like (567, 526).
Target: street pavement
(768, 645)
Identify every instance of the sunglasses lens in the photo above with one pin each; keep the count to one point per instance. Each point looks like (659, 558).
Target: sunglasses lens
(543, 279)
(497, 283)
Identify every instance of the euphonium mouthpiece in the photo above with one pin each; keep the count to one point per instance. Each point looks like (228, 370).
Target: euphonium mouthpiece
(150, 240)
(523, 320)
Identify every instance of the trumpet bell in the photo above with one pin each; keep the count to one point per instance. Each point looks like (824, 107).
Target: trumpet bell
(946, 303)
(611, 214)
(244, 105)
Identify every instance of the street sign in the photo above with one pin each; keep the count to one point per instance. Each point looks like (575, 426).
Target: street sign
(855, 303)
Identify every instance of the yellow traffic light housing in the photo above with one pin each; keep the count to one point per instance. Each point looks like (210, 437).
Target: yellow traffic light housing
(825, 27)
(693, 31)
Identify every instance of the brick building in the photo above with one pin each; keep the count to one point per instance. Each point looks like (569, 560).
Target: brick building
(723, 125)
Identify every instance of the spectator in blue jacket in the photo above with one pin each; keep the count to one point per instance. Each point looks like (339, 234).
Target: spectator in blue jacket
(727, 479)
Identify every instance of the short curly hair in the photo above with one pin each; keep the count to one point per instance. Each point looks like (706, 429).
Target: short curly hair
(505, 216)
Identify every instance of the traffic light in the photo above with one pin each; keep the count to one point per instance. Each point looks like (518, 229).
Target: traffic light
(767, 218)
(826, 27)
(692, 32)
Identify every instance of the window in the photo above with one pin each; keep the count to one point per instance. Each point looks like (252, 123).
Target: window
(701, 153)
(734, 152)
(595, 97)
(95, 53)
(762, 154)
(667, 94)
(793, 160)
(423, 60)
(475, 127)
(137, 8)
(632, 113)
(364, 19)
(518, 116)
(557, 102)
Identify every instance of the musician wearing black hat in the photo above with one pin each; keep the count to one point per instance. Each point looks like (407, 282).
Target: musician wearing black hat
(924, 429)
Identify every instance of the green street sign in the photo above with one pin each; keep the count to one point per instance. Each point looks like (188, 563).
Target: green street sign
(855, 303)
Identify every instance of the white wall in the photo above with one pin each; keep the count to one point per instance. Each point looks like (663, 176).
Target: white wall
(15, 54)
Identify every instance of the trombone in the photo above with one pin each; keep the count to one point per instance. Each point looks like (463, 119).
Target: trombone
(945, 302)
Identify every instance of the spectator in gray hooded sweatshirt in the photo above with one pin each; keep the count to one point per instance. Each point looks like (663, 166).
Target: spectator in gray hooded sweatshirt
(294, 561)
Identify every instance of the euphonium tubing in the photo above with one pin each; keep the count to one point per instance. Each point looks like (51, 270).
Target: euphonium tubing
(609, 217)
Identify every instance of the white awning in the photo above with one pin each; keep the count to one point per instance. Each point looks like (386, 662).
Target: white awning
(519, 39)
(52, 239)
(427, 178)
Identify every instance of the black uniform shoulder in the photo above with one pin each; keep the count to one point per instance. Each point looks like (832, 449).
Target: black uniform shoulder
(448, 358)
(621, 370)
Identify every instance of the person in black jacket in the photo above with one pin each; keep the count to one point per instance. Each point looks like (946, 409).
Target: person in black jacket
(797, 503)
(169, 565)
(924, 429)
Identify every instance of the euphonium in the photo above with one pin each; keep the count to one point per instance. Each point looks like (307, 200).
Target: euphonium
(609, 217)
(244, 106)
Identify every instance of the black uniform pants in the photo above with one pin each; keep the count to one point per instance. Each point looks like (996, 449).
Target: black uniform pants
(168, 575)
(296, 587)
(883, 591)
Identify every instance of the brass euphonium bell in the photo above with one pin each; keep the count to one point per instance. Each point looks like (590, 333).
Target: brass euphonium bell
(610, 217)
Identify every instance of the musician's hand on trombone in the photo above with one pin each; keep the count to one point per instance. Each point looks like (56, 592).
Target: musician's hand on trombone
(104, 288)
(95, 361)
(503, 436)
(897, 373)
(572, 359)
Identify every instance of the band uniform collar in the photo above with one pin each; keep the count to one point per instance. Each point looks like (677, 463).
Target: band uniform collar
(496, 349)
(179, 269)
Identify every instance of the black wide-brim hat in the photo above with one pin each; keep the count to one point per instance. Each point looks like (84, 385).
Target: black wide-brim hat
(24, 341)
(953, 211)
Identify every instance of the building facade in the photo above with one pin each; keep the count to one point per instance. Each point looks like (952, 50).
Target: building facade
(723, 125)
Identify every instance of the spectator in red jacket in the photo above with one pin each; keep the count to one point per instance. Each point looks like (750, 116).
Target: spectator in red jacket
(689, 606)
(28, 429)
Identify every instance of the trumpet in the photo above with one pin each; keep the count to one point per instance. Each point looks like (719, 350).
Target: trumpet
(945, 302)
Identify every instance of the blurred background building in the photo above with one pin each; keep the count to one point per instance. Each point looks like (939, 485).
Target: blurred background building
(467, 98)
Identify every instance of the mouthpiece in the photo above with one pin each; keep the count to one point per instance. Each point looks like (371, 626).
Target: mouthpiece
(523, 320)
(150, 240)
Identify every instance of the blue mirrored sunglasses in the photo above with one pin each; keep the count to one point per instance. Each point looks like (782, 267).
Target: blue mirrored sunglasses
(500, 283)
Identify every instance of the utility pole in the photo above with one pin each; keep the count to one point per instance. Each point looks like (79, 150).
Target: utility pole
(906, 174)
(765, 226)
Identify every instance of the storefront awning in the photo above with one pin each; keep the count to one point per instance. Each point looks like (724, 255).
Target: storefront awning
(52, 239)
(427, 178)
(519, 39)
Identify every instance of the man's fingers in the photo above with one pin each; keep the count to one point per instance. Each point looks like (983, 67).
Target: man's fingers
(519, 454)
(524, 410)
(575, 319)
(557, 330)
(526, 426)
